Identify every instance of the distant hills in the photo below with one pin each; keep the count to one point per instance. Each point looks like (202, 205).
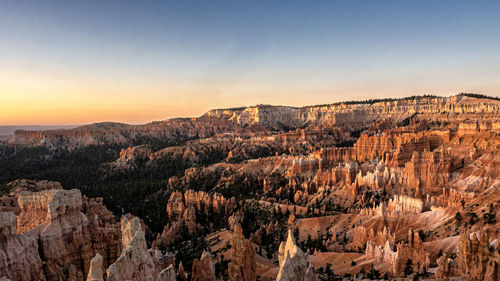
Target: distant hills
(7, 131)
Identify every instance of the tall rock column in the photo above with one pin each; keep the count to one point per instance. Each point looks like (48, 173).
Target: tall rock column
(95, 271)
(242, 265)
(203, 269)
(292, 260)
(135, 263)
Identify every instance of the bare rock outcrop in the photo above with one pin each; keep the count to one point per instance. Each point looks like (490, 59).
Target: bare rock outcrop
(131, 157)
(204, 268)
(401, 204)
(199, 200)
(362, 236)
(46, 206)
(95, 271)
(292, 261)
(7, 224)
(477, 259)
(310, 276)
(167, 274)
(53, 230)
(32, 185)
(242, 266)
(135, 263)
(447, 267)
(19, 259)
(427, 169)
(413, 250)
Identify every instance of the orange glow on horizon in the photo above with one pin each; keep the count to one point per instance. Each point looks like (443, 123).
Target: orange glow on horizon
(52, 99)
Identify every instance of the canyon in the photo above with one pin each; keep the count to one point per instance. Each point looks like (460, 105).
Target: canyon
(393, 188)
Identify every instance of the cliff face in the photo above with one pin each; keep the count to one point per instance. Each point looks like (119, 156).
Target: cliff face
(368, 187)
(204, 268)
(19, 258)
(427, 169)
(46, 206)
(52, 229)
(477, 258)
(242, 266)
(353, 116)
(413, 250)
(135, 263)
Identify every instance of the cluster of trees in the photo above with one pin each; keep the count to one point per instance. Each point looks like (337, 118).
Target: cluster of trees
(478, 96)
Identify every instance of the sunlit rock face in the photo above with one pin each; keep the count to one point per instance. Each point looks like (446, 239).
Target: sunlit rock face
(366, 187)
(477, 258)
(46, 206)
(54, 239)
(242, 265)
(292, 260)
(95, 271)
(264, 116)
(135, 262)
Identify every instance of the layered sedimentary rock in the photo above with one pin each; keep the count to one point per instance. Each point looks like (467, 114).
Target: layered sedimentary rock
(204, 268)
(427, 169)
(46, 206)
(132, 156)
(118, 133)
(353, 115)
(333, 172)
(167, 274)
(401, 204)
(51, 227)
(447, 267)
(362, 236)
(199, 200)
(8, 202)
(32, 185)
(242, 266)
(135, 263)
(182, 208)
(7, 224)
(413, 250)
(310, 276)
(477, 259)
(19, 259)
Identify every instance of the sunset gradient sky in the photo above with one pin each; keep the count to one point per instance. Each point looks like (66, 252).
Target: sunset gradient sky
(77, 62)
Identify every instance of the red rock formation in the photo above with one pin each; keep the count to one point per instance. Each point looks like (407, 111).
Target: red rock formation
(362, 236)
(401, 204)
(242, 266)
(135, 263)
(199, 200)
(129, 157)
(265, 117)
(413, 250)
(446, 267)
(19, 259)
(310, 276)
(52, 228)
(477, 259)
(204, 268)
(427, 169)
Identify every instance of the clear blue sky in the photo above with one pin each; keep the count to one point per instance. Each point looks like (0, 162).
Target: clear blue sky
(135, 61)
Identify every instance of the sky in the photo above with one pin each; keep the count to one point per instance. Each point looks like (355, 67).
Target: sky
(79, 62)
